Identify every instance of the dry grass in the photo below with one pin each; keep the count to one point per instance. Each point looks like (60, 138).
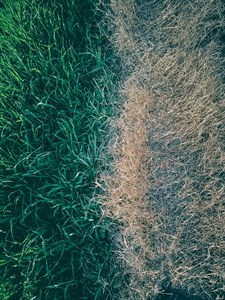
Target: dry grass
(167, 191)
(128, 187)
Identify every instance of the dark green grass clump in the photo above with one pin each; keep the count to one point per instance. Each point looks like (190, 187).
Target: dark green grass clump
(54, 77)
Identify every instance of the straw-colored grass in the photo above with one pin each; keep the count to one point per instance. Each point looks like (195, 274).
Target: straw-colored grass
(168, 186)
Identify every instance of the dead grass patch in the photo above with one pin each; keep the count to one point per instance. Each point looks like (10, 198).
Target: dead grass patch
(128, 187)
(167, 191)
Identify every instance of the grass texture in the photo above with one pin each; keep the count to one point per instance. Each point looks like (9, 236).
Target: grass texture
(90, 212)
(167, 191)
(55, 78)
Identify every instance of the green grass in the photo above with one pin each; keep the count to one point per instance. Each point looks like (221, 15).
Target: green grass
(55, 76)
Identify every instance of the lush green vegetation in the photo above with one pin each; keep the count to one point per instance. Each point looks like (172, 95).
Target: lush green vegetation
(53, 111)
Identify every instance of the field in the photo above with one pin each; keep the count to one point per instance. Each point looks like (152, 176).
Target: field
(54, 84)
(112, 150)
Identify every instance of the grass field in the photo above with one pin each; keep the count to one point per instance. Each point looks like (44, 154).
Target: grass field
(167, 191)
(55, 76)
(112, 150)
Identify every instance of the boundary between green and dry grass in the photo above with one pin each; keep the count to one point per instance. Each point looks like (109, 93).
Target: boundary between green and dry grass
(55, 76)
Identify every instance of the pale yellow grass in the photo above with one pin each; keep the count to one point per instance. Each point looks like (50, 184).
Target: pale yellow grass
(168, 190)
(128, 187)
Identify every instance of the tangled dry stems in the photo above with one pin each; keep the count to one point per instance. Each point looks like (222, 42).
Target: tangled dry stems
(167, 191)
